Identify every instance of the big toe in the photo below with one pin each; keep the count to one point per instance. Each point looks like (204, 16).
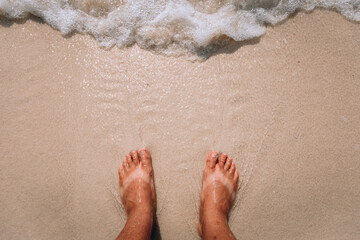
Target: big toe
(212, 159)
(145, 157)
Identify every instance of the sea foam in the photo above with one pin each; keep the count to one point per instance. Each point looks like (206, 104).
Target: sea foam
(173, 27)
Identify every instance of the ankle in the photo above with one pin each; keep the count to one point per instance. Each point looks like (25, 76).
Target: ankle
(145, 211)
(143, 217)
(215, 226)
(214, 215)
(139, 224)
(220, 208)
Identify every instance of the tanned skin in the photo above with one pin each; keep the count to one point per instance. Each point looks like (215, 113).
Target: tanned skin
(137, 191)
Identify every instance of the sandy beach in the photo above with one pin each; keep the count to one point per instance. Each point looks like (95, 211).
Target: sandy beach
(285, 106)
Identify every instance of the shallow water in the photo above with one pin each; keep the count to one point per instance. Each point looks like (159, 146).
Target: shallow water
(195, 28)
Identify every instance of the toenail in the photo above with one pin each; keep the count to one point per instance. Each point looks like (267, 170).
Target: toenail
(213, 155)
(142, 152)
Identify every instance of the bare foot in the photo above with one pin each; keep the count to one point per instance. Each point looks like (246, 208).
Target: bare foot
(136, 181)
(220, 182)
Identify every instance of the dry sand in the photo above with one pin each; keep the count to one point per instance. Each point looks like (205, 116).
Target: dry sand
(286, 108)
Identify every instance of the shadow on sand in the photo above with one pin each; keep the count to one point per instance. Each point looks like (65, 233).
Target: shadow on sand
(155, 235)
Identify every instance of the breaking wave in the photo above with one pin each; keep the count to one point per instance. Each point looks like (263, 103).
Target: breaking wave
(173, 27)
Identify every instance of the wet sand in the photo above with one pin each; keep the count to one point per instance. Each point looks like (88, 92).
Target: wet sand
(287, 109)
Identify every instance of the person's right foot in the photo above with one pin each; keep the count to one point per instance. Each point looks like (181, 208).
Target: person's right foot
(220, 182)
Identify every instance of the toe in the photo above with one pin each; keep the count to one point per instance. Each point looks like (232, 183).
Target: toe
(236, 176)
(135, 157)
(121, 173)
(232, 169)
(212, 159)
(228, 163)
(145, 157)
(124, 163)
(222, 159)
(129, 160)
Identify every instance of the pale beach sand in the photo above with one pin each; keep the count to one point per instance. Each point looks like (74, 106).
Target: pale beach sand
(286, 107)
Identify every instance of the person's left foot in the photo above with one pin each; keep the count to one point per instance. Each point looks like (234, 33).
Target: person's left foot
(136, 182)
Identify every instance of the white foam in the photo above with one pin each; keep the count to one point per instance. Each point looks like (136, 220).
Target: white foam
(169, 26)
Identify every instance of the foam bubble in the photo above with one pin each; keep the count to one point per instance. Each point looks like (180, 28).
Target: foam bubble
(193, 27)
